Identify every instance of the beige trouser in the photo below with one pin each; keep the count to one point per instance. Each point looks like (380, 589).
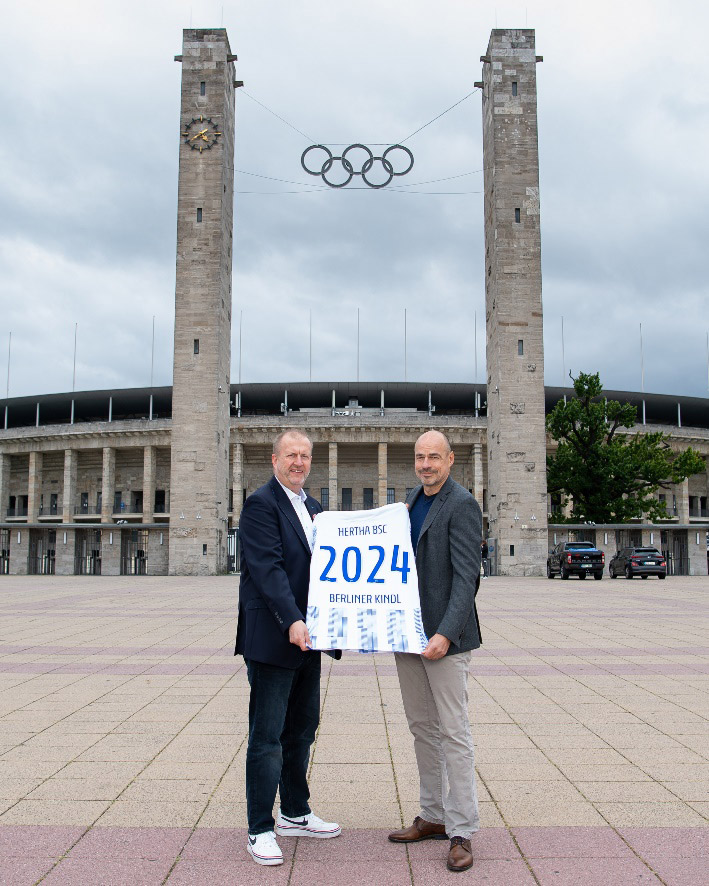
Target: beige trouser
(435, 695)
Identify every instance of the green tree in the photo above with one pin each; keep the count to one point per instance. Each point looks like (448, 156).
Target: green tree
(611, 476)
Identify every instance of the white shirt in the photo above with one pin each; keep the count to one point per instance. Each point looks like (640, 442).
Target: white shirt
(297, 499)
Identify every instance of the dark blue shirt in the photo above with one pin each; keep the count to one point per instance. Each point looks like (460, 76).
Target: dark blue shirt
(417, 514)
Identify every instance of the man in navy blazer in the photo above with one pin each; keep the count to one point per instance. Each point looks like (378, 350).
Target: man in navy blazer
(276, 537)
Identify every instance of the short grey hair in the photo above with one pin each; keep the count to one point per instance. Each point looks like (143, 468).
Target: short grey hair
(290, 432)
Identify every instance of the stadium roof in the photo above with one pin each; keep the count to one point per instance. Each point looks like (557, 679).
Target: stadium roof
(266, 399)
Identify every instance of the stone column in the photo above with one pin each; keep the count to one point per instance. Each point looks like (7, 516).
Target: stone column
(697, 551)
(111, 551)
(34, 486)
(4, 484)
(683, 501)
(605, 541)
(382, 493)
(513, 297)
(199, 449)
(149, 462)
(237, 474)
(69, 491)
(158, 551)
(108, 483)
(478, 479)
(332, 475)
(19, 550)
(65, 560)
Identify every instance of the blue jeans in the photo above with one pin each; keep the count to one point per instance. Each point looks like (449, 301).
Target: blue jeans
(284, 711)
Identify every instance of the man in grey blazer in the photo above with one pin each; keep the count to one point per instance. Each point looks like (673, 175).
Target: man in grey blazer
(446, 528)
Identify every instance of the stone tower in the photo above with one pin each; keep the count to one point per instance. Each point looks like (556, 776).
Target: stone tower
(517, 492)
(199, 484)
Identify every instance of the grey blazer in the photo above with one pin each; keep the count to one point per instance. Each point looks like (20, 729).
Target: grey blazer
(448, 564)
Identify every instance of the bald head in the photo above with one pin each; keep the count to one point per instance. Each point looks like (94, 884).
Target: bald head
(433, 458)
(435, 438)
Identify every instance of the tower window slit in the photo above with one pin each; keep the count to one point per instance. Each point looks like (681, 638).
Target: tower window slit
(199, 215)
(514, 87)
(520, 346)
(203, 88)
(196, 346)
(518, 215)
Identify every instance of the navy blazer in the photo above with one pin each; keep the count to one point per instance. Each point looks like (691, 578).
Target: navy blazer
(275, 574)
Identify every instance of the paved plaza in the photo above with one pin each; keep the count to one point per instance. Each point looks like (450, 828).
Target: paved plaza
(123, 723)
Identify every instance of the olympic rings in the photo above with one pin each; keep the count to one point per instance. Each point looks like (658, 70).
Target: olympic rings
(366, 166)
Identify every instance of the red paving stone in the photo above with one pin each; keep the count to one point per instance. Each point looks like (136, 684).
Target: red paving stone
(656, 844)
(35, 840)
(394, 872)
(23, 871)
(150, 843)
(217, 873)
(352, 845)
(591, 872)
(109, 872)
(571, 843)
(490, 872)
(216, 844)
(683, 871)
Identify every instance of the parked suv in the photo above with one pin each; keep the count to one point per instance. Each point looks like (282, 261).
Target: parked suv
(575, 558)
(637, 561)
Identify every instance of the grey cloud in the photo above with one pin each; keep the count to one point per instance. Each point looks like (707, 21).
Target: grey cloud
(88, 227)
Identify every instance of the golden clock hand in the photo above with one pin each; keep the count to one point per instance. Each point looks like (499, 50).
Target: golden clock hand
(199, 134)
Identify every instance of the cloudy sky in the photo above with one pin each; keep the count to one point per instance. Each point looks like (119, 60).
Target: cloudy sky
(88, 188)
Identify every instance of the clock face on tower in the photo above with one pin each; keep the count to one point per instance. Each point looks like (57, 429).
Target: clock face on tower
(200, 133)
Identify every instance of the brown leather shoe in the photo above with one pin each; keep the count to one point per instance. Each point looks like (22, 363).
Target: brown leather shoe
(460, 855)
(419, 830)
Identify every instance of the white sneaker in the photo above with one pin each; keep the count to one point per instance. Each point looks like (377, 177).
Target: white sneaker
(306, 826)
(264, 849)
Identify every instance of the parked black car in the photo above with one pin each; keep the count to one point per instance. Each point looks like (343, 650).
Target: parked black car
(637, 561)
(575, 558)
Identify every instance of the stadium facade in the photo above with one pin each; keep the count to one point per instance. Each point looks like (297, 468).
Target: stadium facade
(151, 481)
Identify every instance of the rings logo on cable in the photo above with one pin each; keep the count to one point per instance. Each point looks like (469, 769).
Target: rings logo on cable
(376, 172)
